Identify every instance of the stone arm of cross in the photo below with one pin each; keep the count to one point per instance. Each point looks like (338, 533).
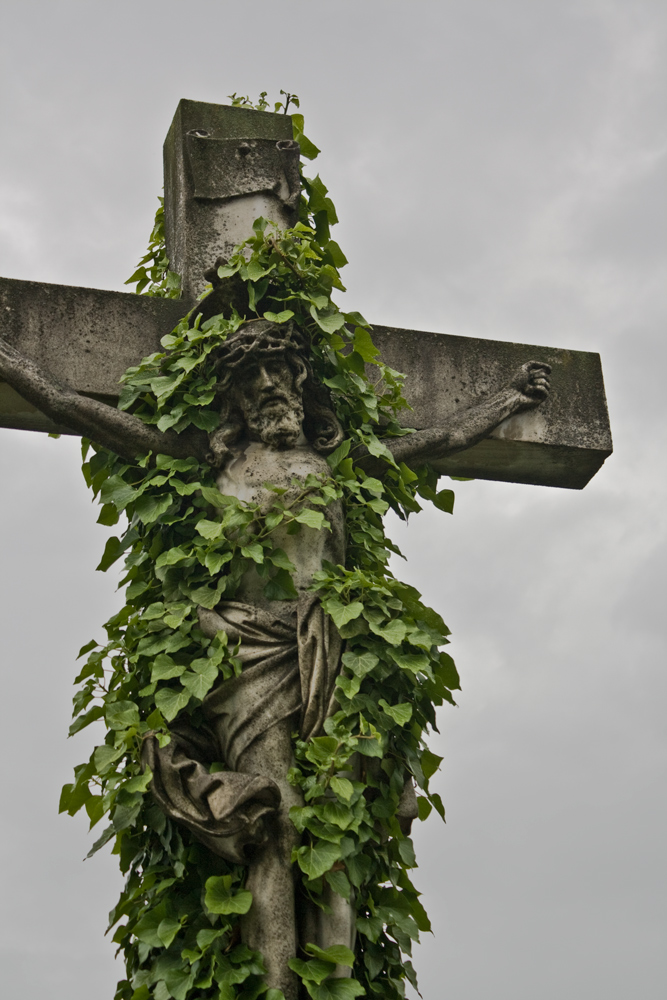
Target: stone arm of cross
(527, 389)
(121, 432)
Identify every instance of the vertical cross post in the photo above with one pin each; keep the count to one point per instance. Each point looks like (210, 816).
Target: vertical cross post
(223, 168)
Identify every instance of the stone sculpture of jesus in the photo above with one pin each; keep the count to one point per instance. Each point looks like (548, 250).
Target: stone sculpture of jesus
(276, 424)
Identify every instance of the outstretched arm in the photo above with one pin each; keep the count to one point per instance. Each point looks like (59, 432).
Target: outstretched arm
(121, 432)
(528, 388)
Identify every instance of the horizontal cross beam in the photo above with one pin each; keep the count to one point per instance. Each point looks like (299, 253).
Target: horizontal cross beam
(88, 337)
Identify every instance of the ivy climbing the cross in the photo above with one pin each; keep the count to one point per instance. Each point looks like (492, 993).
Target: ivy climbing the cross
(269, 684)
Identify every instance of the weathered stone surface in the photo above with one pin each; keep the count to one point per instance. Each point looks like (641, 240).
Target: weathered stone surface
(223, 168)
(88, 337)
(561, 443)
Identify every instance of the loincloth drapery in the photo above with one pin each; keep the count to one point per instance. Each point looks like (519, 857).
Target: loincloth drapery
(288, 671)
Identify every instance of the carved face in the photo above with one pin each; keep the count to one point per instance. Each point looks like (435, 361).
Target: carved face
(267, 390)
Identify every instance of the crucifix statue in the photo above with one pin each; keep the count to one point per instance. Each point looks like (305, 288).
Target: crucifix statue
(480, 408)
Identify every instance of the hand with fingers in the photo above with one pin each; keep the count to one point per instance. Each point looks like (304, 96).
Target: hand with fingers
(532, 383)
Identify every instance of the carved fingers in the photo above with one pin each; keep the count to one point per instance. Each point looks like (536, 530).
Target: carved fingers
(532, 381)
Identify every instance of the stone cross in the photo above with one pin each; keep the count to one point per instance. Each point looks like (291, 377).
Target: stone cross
(224, 167)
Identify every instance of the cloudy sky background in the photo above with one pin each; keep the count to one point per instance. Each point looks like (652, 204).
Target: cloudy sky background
(499, 171)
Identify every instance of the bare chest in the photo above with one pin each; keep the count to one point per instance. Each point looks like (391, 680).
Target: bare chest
(246, 476)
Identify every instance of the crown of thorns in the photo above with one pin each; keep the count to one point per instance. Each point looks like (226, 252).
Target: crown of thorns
(259, 338)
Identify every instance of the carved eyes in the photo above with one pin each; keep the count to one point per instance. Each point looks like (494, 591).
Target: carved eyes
(271, 368)
(274, 367)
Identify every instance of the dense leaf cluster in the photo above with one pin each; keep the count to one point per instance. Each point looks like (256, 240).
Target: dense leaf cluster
(187, 545)
(152, 275)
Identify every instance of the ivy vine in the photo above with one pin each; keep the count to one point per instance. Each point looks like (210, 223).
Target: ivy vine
(186, 545)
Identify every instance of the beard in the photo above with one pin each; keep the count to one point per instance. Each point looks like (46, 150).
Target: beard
(277, 423)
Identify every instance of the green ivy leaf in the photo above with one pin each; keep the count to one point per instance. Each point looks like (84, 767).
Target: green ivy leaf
(92, 715)
(340, 884)
(317, 858)
(341, 453)
(179, 982)
(444, 500)
(401, 714)
(407, 853)
(342, 614)
(336, 813)
(337, 256)
(108, 515)
(343, 788)
(424, 807)
(171, 557)
(448, 673)
(436, 801)
(121, 714)
(207, 936)
(280, 559)
(313, 971)
(165, 669)
(415, 663)
(213, 496)
(113, 550)
(308, 148)
(200, 679)
(393, 633)
(335, 989)
(281, 317)
(220, 898)
(281, 587)
(139, 783)
(105, 756)
(214, 561)
(171, 701)
(116, 491)
(329, 321)
(142, 993)
(363, 344)
(312, 518)
(360, 663)
(348, 685)
(104, 839)
(339, 954)
(430, 763)
(322, 749)
(208, 597)
(167, 930)
(210, 529)
(254, 552)
(146, 929)
(87, 648)
(149, 508)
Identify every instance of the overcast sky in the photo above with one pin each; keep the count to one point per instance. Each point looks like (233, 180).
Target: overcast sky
(499, 171)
